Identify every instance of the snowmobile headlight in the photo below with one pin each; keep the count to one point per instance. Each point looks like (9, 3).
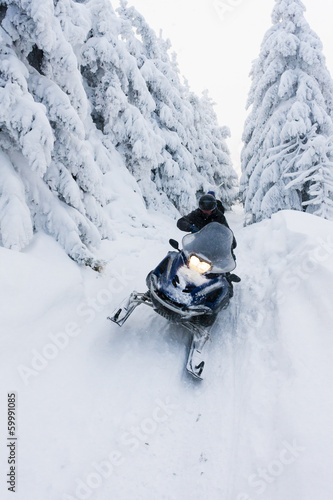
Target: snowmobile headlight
(198, 265)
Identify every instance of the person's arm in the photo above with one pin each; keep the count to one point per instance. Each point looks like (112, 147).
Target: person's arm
(220, 207)
(186, 223)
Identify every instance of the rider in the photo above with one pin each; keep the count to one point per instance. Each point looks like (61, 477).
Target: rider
(207, 212)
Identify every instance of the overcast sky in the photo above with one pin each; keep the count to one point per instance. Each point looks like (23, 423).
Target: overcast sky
(215, 42)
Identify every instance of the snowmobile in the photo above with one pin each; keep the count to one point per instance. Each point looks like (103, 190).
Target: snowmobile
(190, 287)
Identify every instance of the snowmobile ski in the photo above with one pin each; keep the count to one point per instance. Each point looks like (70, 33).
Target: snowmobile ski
(122, 313)
(196, 359)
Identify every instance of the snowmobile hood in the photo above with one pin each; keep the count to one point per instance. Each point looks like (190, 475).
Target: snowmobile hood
(213, 244)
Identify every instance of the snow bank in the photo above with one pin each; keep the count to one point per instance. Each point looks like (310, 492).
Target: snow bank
(284, 333)
(34, 281)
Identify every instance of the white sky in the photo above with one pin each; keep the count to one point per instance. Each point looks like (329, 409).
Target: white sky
(216, 41)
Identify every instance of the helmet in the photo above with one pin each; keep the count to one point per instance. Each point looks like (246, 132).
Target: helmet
(207, 203)
(211, 192)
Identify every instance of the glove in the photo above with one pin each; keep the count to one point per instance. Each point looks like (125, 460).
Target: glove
(194, 228)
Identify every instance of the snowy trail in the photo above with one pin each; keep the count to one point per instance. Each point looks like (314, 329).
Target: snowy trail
(115, 415)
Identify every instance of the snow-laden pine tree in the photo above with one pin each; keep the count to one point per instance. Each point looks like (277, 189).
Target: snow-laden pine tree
(171, 117)
(313, 174)
(194, 156)
(291, 101)
(121, 102)
(209, 149)
(45, 130)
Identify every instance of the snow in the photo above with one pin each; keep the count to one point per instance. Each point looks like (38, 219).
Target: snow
(105, 412)
(187, 275)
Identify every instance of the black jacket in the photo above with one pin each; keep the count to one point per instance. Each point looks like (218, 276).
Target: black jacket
(198, 219)
(220, 207)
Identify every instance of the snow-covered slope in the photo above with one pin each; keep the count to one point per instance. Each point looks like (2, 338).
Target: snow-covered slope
(105, 412)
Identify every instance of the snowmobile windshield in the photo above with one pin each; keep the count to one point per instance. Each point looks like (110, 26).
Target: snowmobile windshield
(211, 244)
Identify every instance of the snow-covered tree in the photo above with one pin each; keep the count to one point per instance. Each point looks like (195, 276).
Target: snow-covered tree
(292, 100)
(119, 96)
(45, 133)
(194, 155)
(313, 176)
(211, 154)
